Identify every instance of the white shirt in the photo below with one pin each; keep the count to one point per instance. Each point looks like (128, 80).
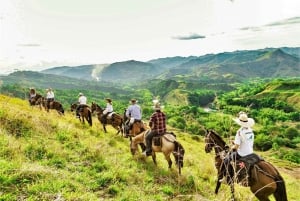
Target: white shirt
(82, 100)
(245, 139)
(50, 94)
(109, 108)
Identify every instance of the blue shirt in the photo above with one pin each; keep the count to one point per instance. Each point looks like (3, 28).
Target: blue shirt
(134, 111)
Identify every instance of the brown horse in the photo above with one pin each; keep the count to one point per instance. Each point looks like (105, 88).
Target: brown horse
(54, 105)
(137, 127)
(167, 144)
(263, 178)
(36, 100)
(115, 119)
(85, 113)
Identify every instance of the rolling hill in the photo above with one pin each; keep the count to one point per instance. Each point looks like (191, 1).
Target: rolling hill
(45, 156)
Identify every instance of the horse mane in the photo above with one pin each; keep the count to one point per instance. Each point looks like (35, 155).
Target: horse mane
(218, 137)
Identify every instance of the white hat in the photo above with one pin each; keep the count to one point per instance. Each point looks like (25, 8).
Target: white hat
(244, 121)
(80, 94)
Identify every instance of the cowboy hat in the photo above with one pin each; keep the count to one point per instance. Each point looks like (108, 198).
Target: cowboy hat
(244, 121)
(133, 101)
(157, 106)
(108, 99)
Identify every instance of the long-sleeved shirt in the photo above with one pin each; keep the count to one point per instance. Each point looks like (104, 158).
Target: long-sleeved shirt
(50, 94)
(158, 122)
(134, 111)
(109, 108)
(82, 100)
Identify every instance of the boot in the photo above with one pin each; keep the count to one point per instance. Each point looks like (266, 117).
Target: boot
(148, 151)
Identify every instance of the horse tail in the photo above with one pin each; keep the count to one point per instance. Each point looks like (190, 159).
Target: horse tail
(178, 154)
(90, 117)
(280, 193)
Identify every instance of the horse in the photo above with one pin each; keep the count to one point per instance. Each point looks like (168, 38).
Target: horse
(137, 127)
(166, 144)
(85, 113)
(113, 119)
(55, 105)
(36, 100)
(262, 177)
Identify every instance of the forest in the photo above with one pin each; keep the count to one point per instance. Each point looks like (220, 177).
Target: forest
(193, 107)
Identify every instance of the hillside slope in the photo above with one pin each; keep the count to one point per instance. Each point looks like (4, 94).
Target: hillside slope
(45, 156)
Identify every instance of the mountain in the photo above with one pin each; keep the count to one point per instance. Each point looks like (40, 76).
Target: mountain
(129, 71)
(87, 72)
(224, 67)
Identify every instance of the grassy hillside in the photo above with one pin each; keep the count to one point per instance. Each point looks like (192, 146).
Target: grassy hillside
(44, 156)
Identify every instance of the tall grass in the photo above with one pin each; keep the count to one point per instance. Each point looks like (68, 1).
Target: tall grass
(44, 156)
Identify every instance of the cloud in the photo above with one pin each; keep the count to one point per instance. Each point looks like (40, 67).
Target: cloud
(289, 21)
(294, 20)
(191, 36)
(29, 45)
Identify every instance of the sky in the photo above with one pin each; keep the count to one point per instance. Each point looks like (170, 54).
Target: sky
(38, 34)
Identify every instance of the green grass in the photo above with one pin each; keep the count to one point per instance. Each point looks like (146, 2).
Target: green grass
(44, 156)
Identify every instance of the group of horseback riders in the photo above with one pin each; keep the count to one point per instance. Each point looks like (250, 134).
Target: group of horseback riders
(34, 97)
(133, 115)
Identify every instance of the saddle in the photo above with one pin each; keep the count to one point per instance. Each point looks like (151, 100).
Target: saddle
(157, 139)
(244, 166)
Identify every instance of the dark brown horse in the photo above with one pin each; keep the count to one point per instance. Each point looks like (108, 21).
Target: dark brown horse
(114, 119)
(136, 128)
(167, 144)
(53, 105)
(37, 99)
(263, 178)
(85, 113)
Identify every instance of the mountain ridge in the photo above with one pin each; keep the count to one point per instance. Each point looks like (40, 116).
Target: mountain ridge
(237, 65)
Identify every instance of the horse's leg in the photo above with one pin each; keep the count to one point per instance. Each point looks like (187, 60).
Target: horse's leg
(232, 191)
(217, 186)
(104, 128)
(168, 158)
(154, 157)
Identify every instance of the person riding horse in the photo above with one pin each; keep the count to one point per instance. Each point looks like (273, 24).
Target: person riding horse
(82, 100)
(242, 145)
(134, 114)
(108, 110)
(32, 95)
(157, 124)
(49, 97)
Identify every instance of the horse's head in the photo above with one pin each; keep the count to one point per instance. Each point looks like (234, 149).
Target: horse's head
(93, 107)
(213, 140)
(209, 142)
(73, 107)
(135, 141)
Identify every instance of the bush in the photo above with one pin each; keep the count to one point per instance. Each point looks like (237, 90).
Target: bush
(291, 133)
(263, 142)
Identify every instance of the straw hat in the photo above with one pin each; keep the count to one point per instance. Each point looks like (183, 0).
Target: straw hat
(133, 101)
(109, 100)
(157, 106)
(244, 121)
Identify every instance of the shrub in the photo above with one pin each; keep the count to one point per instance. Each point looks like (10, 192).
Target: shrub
(263, 142)
(291, 133)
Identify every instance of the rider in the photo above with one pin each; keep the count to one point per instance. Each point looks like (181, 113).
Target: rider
(32, 94)
(157, 124)
(243, 142)
(109, 109)
(49, 97)
(82, 100)
(134, 114)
